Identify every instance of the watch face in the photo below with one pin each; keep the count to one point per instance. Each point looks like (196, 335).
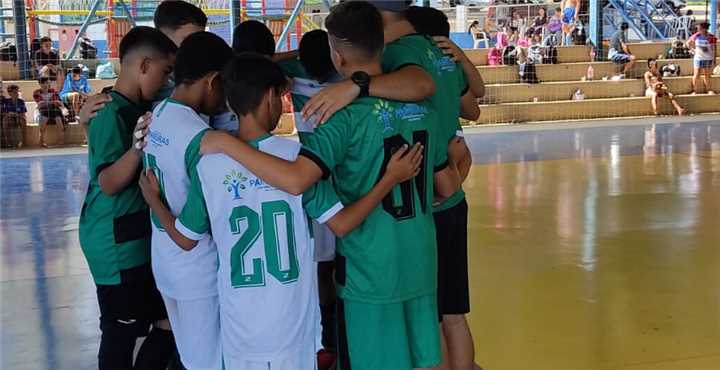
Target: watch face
(360, 78)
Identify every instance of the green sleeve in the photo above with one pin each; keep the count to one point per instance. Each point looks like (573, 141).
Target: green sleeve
(328, 143)
(192, 152)
(106, 140)
(321, 202)
(397, 55)
(194, 221)
(292, 67)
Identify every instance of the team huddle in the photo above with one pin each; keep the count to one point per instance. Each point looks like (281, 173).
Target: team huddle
(233, 248)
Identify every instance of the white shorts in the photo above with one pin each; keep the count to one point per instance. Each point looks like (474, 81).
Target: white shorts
(649, 91)
(196, 328)
(324, 243)
(304, 360)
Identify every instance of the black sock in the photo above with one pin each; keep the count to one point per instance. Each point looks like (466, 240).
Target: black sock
(327, 319)
(117, 344)
(156, 351)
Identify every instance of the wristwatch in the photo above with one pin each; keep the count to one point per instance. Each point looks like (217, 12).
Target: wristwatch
(362, 79)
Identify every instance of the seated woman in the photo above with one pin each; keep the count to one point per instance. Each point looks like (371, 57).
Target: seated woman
(75, 90)
(656, 88)
(539, 22)
(478, 35)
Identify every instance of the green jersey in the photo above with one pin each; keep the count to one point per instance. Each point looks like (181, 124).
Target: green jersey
(114, 230)
(450, 84)
(391, 256)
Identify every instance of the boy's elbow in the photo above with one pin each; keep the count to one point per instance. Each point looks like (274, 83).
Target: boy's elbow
(338, 228)
(426, 88)
(446, 191)
(187, 245)
(105, 186)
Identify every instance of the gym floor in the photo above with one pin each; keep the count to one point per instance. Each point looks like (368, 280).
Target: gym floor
(593, 246)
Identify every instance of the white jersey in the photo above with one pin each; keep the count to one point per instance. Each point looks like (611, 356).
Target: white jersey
(173, 148)
(267, 276)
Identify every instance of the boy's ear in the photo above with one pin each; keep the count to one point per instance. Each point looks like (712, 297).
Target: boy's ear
(211, 78)
(337, 56)
(145, 65)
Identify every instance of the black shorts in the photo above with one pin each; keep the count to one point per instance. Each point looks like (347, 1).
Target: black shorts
(135, 300)
(453, 291)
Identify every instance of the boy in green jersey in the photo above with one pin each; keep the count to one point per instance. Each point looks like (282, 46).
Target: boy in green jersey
(114, 223)
(386, 268)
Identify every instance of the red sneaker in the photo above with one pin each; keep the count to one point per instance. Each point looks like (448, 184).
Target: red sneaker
(326, 360)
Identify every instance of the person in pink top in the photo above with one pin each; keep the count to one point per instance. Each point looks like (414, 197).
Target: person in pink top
(704, 45)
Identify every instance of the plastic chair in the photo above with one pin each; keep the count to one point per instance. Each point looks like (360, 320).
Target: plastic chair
(681, 26)
(481, 40)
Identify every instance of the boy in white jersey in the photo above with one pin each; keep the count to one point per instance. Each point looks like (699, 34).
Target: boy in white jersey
(267, 284)
(187, 279)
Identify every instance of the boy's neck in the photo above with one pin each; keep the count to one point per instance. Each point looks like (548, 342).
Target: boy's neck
(189, 95)
(398, 29)
(250, 128)
(128, 87)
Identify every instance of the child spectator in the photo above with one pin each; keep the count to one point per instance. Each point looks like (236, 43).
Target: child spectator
(47, 60)
(656, 88)
(619, 52)
(554, 25)
(13, 117)
(115, 222)
(540, 21)
(525, 40)
(704, 45)
(48, 110)
(75, 89)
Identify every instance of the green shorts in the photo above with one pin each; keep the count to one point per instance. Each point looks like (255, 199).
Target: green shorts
(396, 336)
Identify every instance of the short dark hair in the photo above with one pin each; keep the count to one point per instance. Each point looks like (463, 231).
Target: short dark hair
(624, 26)
(174, 14)
(428, 21)
(146, 37)
(359, 24)
(199, 54)
(13, 87)
(247, 78)
(76, 70)
(253, 36)
(650, 61)
(314, 55)
(44, 79)
(45, 39)
(704, 25)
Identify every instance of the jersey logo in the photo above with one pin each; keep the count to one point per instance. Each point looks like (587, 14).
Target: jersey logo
(411, 112)
(157, 139)
(234, 182)
(442, 64)
(384, 112)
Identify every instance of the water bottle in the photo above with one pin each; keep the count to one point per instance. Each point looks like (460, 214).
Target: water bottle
(590, 73)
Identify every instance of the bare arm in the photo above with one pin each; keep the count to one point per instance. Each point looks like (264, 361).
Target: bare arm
(285, 55)
(292, 177)
(122, 172)
(401, 167)
(469, 108)
(151, 192)
(447, 181)
(410, 83)
(91, 106)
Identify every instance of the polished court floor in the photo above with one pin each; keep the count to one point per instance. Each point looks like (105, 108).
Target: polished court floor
(592, 247)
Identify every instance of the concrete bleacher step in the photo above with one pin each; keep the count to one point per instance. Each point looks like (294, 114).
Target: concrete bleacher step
(27, 87)
(573, 71)
(554, 91)
(591, 108)
(581, 53)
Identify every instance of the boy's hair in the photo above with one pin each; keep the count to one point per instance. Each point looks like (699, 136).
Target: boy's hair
(558, 10)
(359, 25)
(624, 26)
(13, 88)
(247, 78)
(148, 38)
(651, 61)
(703, 25)
(45, 39)
(173, 14)
(76, 70)
(253, 36)
(199, 54)
(315, 55)
(428, 21)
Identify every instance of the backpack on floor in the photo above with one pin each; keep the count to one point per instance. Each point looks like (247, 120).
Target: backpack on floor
(670, 70)
(528, 73)
(509, 55)
(494, 57)
(535, 54)
(678, 50)
(8, 51)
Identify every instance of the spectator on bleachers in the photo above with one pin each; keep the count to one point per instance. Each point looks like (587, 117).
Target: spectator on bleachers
(477, 33)
(524, 40)
(703, 44)
(540, 21)
(491, 28)
(516, 20)
(13, 117)
(75, 90)
(656, 88)
(47, 59)
(619, 52)
(48, 110)
(570, 17)
(554, 25)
